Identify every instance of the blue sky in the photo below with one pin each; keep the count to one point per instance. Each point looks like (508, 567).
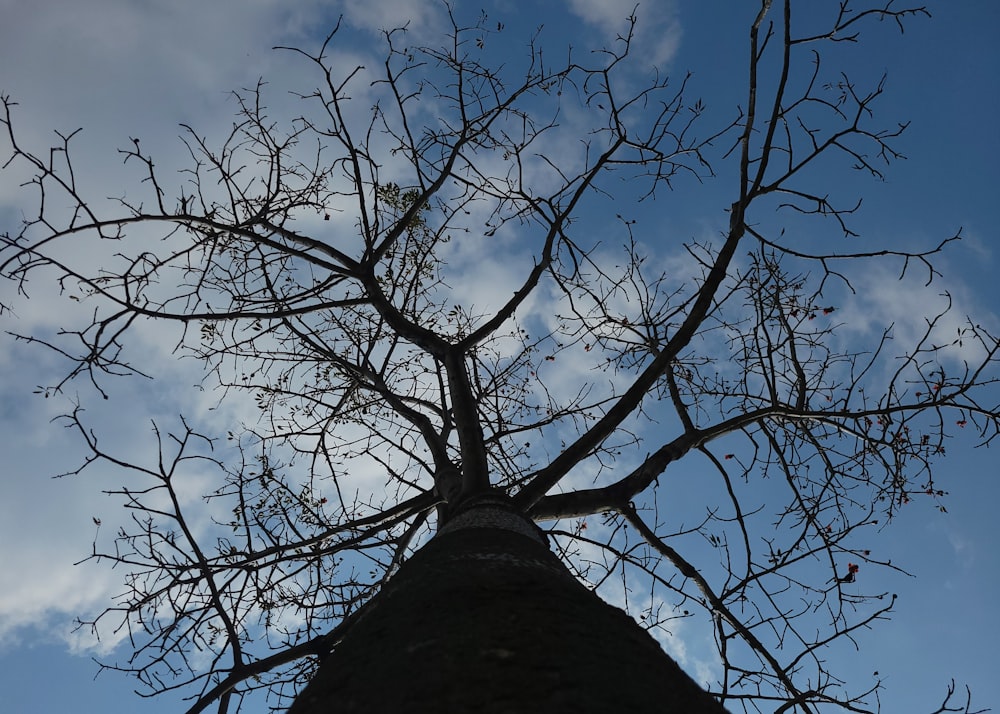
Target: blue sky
(122, 68)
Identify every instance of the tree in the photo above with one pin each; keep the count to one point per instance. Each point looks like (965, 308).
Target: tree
(316, 264)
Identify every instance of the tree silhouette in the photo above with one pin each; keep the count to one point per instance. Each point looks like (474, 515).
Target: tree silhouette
(322, 264)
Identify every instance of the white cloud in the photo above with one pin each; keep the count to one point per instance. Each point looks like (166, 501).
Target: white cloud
(657, 31)
(420, 18)
(883, 298)
(964, 548)
(47, 524)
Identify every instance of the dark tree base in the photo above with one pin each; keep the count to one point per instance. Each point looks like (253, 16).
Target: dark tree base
(486, 619)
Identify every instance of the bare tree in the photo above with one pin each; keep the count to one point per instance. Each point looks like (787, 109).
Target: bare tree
(311, 265)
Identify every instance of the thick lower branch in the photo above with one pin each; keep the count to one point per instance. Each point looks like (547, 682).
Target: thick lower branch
(549, 476)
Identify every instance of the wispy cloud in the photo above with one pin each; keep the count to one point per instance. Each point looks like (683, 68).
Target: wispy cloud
(882, 297)
(657, 32)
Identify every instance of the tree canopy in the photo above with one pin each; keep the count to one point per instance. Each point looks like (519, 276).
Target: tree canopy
(449, 274)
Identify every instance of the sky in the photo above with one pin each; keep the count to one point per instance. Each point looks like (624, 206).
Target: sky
(124, 68)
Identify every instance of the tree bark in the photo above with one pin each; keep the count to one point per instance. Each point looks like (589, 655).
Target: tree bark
(486, 619)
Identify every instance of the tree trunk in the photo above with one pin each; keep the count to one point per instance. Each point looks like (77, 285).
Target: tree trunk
(486, 619)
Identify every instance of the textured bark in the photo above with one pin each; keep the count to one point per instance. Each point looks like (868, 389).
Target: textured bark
(486, 619)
